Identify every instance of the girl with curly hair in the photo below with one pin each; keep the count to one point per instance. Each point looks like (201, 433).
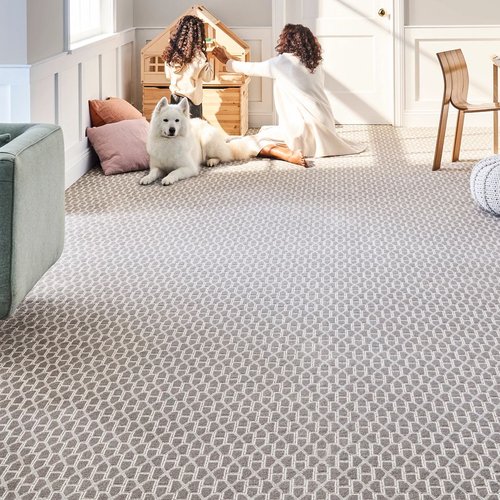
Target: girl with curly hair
(306, 127)
(186, 63)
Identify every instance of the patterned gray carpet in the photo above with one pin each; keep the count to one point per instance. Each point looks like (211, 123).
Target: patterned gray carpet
(264, 331)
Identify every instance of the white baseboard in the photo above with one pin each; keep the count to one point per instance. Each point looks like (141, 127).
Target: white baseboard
(79, 167)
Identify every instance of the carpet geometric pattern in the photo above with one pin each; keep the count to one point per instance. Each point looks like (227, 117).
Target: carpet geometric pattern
(264, 331)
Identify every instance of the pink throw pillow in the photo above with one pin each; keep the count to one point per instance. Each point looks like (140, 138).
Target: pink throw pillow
(121, 146)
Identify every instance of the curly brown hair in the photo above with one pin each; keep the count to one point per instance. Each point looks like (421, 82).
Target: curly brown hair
(299, 41)
(187, 40)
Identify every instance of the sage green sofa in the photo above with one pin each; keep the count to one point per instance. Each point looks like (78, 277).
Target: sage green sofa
(31, 207)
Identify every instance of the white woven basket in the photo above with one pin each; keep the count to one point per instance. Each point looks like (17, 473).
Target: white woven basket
(485, 184)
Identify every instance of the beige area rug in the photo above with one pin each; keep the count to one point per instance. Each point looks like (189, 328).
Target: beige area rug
(264, 331)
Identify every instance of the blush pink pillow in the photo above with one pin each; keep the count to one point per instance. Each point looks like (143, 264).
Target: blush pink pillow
(121, 146)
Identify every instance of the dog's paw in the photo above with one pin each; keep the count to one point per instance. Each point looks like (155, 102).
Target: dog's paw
(212, 162)
(168, 180)
(146, 180)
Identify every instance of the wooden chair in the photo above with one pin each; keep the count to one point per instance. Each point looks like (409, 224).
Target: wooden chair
(456, 87)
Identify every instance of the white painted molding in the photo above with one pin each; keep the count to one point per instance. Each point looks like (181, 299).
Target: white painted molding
(454, 26)
(399, 60)
(278, 22)
(66, 24)
(423, 77)
(79, 166)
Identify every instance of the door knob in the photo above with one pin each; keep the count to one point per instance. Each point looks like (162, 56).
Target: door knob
(381, 12)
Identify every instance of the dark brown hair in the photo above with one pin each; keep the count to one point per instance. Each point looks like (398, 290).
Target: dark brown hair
(299, 41)
(187, 40)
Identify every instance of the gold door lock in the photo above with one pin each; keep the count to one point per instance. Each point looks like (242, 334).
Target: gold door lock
(382, 12)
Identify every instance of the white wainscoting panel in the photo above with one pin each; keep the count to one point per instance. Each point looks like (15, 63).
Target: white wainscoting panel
(109, 75)
(68, 105)
(126, 61)
(423, 76)
(260, 90)
(61, 86)
(90, 87)
(14, 93)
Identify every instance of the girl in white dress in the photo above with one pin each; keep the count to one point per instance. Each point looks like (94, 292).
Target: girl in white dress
(306, 127)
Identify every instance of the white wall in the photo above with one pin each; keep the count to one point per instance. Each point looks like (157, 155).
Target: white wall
(13, 32)
(422, 75)
(451, 12)
(14, 70)
(45, 21)
(124, 14)
(45, 29)
(149, 13)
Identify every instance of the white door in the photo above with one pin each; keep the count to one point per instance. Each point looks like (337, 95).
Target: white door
(357, 41)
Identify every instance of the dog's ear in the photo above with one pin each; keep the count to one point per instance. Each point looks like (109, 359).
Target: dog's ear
(161, 104)
(184, 106)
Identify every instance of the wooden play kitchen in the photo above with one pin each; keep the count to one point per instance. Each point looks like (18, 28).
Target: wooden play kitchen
(225, 98)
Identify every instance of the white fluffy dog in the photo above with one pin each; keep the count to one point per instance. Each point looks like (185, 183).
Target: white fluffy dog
(178, 145)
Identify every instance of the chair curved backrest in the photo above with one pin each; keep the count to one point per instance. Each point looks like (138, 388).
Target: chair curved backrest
(456, 77)
(456, 88)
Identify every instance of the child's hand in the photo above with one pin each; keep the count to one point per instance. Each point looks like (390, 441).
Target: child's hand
(221, 54)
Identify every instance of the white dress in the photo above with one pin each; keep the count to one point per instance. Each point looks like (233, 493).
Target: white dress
(305, 118)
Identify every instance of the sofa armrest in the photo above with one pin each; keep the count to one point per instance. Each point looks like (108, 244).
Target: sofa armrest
(32, 208)
(16, 129)
(25, 135)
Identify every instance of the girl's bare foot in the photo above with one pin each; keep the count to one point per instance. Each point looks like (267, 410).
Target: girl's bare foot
(282, 152)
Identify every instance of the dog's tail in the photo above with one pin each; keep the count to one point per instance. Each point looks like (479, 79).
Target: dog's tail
(241, 149)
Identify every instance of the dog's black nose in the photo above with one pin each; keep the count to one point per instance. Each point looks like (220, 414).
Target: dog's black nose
(171, 130)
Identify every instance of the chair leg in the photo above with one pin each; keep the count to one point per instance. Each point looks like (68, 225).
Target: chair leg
(458, 136)
(438, 154)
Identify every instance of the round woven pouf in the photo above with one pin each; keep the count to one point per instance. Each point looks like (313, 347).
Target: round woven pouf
(485, 184)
